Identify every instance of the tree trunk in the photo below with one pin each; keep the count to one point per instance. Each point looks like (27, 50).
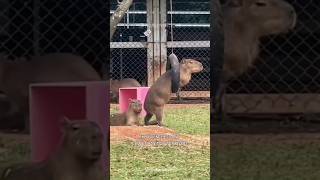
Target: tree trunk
(118, 15)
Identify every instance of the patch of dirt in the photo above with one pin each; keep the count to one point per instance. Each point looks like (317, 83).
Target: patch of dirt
(265, 129)
(189, 101)
(260, 124)
(174, 106)
(153, 136)
(182, 106)
(18, 138)
(225, 140)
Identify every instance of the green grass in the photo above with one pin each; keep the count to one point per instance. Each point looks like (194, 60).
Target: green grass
(190, 120)
(13, 152)
(130, 162)
(268, 161)
(194, 121)
(179, 162)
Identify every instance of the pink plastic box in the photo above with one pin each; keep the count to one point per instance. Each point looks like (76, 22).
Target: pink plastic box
(134, 93)
(80, 100)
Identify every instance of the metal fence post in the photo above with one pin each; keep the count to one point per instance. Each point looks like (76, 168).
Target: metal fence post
(163, 36)
(156, 52)
(150, 42)
(36, 30)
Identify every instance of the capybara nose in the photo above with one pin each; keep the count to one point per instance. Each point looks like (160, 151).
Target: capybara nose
(201, 67)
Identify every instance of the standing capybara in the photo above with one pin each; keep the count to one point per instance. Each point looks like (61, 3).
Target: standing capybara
(160, 92)
(16, 76)
(78, 157)
(130, 117)
(123, 83)
(245, 23)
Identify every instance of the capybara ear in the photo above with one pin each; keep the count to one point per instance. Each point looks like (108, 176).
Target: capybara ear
(234, 3)
(66, 122)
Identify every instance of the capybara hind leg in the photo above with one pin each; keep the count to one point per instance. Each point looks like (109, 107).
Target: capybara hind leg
(147, 119)
(159, 116)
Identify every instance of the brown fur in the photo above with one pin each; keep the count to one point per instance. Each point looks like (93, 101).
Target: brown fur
(78, 158)
(15, 77)
(130, 117)
(245, 22)
(160, 92)
(123, 83)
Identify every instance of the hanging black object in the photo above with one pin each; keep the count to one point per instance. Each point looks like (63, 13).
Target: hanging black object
(175, 73)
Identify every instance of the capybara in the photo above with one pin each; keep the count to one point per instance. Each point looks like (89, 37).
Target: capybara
(123, 83)
(77, 158)
(160, 92)
(245, 23)
(130, 117)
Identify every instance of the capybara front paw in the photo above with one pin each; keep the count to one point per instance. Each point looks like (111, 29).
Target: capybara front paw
(161, 124)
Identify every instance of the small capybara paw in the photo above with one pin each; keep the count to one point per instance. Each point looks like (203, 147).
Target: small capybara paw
(160, 124)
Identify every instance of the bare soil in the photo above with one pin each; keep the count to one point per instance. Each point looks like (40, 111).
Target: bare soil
(221, 140)
(153, 134)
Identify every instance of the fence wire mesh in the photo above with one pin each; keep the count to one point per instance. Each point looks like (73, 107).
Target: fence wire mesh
(129, 49)
(35, 27)
(129, 53)
(288, 67)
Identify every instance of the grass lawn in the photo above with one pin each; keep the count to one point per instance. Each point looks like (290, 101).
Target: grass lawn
(284, 159)
(129, 161)
(13, 150)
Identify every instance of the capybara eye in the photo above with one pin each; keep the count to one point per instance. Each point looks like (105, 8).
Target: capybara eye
(261, 4)
(75, 128)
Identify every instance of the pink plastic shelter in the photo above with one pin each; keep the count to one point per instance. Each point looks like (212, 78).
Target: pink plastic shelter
(80, 100)
(134, 93)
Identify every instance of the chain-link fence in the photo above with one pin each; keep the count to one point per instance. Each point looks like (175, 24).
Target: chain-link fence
(133, 49)
(34, 27)
(286, 78)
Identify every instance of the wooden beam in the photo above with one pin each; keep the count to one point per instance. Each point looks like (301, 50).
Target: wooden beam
(157, 40)
(272, 103)
(150, 50)
(163, 36)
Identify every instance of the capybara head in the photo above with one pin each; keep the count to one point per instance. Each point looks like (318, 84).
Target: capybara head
(83, 138)
(264, 17)
(114, 88)
(191, 65)
(135, 105)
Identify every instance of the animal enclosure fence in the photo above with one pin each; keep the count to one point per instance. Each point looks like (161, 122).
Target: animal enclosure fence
(34, 27)
(286, 78)
(142, 41)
